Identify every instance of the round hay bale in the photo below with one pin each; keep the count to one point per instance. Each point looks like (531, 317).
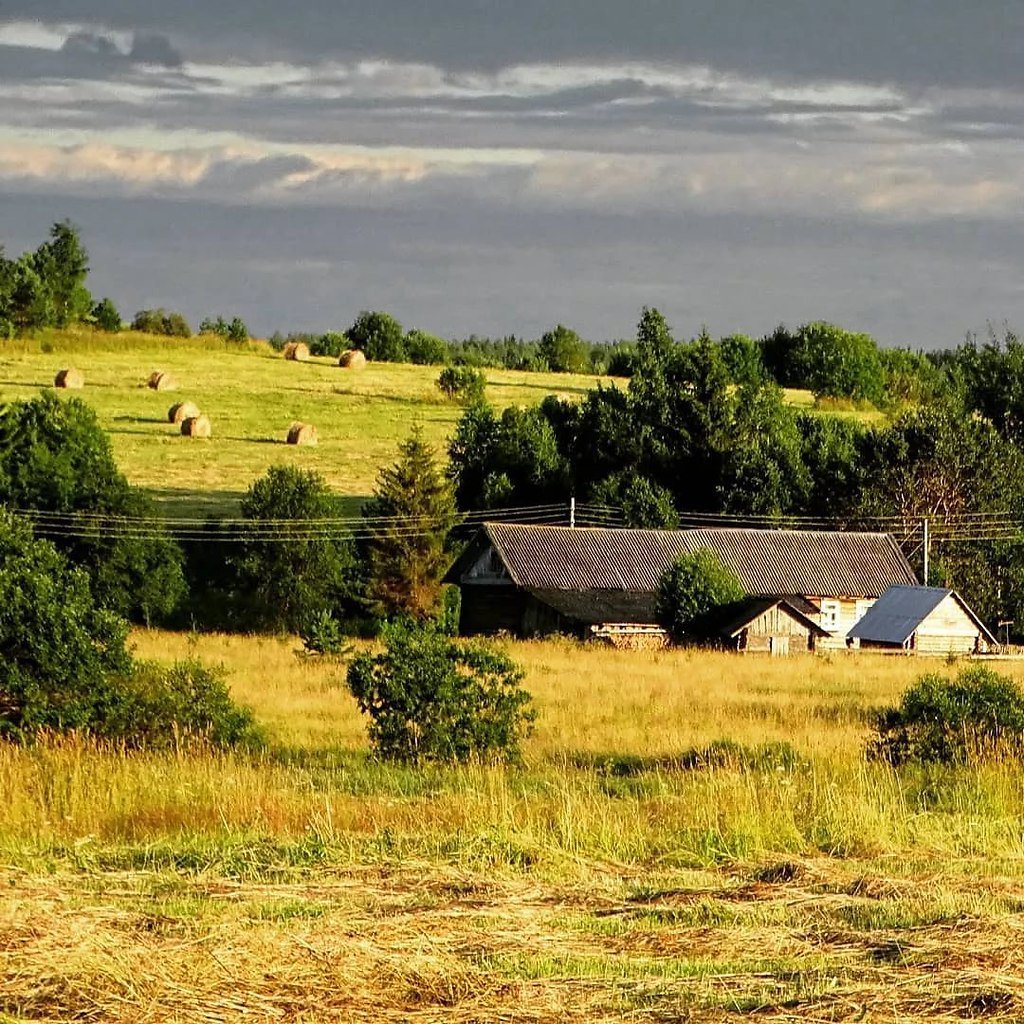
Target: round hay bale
(160, 381)
(69, 378)
(352, 359)
(302, 433)
(297, 351)
(182, 411)
(197, 426)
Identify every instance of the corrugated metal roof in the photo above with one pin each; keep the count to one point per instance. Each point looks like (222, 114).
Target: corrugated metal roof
(767, 562)
(898, 613)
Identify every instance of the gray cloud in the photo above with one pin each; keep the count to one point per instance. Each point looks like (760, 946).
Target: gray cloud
(497, 167)
(920, 41)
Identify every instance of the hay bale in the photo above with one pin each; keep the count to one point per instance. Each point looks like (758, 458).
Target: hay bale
(160, 381)
(297, 351)
(69, 378)
(352, 359)
(197, 426)
(182, 411)
(302, 433)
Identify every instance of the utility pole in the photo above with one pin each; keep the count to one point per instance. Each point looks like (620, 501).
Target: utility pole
(926, 544)
(572, 511)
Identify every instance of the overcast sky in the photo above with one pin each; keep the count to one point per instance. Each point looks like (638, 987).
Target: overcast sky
(495, 167)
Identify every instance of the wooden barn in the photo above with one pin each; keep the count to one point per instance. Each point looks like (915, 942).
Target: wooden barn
(534, 580)
(922, 620)
(773, 625)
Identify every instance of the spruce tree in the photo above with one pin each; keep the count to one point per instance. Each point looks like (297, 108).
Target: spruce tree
(409, 520)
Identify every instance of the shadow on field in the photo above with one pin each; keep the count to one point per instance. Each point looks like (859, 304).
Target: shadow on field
(548, 389)
(143, 419)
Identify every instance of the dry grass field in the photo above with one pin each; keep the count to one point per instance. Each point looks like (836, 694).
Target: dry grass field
(623, 872)
(691, 836)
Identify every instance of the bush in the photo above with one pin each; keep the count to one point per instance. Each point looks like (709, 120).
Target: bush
(432, 698)
(322, 634)
(463, 384)
(379, 336)
(106, 317)
(426, 349)
(233, 330)
(159, 321)
(952, 721)
(157, 707)
(690, 589)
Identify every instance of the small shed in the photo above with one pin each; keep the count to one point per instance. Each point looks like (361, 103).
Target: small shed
(778, 625)
(922, 620)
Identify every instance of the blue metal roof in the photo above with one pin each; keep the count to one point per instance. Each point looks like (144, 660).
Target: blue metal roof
(897, 614)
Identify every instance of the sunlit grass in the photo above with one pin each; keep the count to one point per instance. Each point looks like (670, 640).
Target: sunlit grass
(252, 394)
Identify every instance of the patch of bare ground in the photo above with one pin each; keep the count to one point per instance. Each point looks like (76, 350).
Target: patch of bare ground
(803, 941)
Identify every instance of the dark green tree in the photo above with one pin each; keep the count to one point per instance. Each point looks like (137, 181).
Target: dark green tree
(379, 336)
(841, 364)
(690, 590)
(426, 349)
(106, 317)
(56, 458)
(563, 351)
(62, 264)
(58, 648)
(409, 520)
(288, 569)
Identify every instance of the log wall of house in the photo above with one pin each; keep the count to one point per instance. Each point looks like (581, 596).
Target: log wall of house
(948, 629)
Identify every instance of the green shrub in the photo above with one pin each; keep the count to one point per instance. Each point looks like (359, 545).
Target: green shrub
(462, 384)
(106, 317)
(426, 349)
(155, 707)
(55, 457)
(952, 721)
(379, 336)
(330, 344)
(432, 698)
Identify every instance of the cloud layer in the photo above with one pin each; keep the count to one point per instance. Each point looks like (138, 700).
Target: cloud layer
(319, 107)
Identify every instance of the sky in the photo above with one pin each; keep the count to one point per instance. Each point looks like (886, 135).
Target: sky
(481, 166)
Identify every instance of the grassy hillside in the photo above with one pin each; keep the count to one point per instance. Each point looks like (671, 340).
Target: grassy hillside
(251, 394)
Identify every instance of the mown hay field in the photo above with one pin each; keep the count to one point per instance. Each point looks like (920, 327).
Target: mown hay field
(251, 395)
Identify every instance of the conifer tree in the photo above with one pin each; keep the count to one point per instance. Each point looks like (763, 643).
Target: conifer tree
(409, 521)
